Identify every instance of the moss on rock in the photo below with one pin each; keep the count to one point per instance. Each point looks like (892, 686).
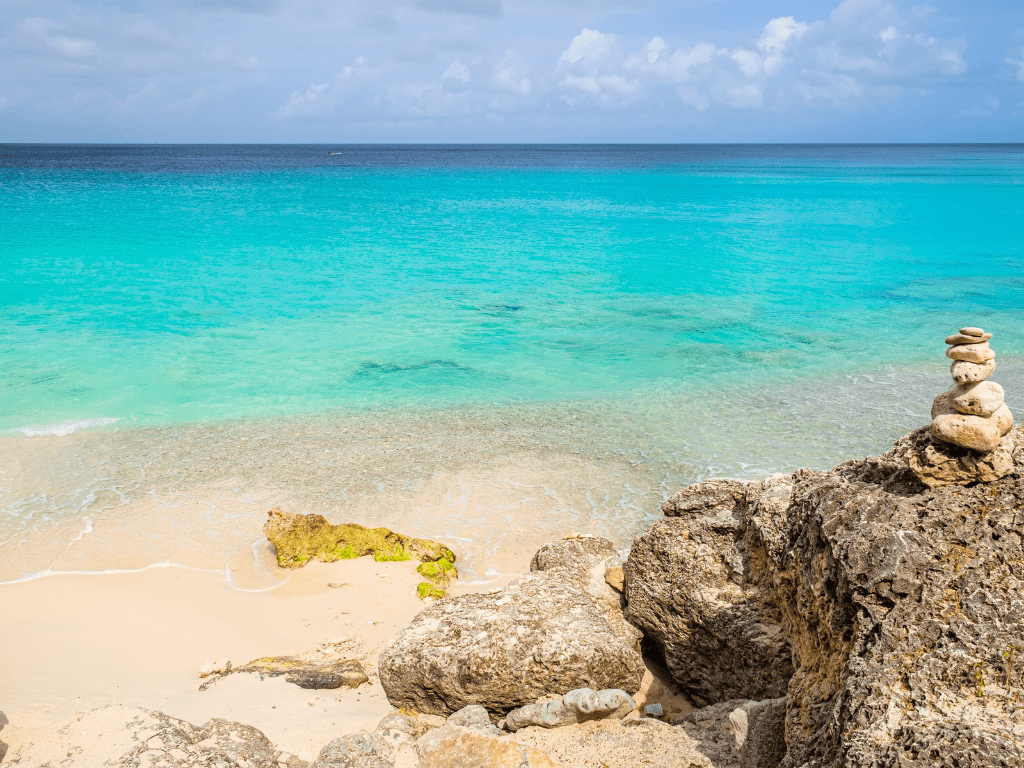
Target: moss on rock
(300, 538)
(425, 590)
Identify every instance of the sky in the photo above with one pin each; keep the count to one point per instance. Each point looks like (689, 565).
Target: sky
(239, 71)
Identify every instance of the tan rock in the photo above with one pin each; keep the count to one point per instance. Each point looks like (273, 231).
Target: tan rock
(615, 577)
(972, 331)
(972, 353)
(456, 747)
(937, 463)
(959, 338)
(1004, 419)
(979, 433)
(965, 372)
(982, 398)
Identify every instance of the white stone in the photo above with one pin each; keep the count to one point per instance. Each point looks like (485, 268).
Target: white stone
(979, 433)
(972, 331)
(219, 667)
(964, 372)
(972, 353)
(960, 338)
(982, 398)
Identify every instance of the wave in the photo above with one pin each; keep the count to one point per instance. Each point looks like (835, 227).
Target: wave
(62, 428)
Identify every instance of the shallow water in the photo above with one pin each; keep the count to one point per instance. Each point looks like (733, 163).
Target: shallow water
(491, 345)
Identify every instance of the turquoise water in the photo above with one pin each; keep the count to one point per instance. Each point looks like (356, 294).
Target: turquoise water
(163, 285)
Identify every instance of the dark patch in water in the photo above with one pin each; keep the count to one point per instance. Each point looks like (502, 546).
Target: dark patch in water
(374, 369)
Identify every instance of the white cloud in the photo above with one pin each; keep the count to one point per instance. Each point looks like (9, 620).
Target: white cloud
(1018, 63)
(511, 75)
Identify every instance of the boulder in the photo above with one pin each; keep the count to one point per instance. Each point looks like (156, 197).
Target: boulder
(125, 737)
(456, 747)
(980, 399)
(693, 589)
(541, 634)
(759, 730)
(903, 605)
(937, 463)
(979, 433)
(586, 561)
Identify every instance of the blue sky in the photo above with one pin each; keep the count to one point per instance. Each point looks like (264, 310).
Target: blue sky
(510, 70)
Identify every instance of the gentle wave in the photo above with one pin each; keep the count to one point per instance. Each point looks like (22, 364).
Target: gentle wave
(62, 428)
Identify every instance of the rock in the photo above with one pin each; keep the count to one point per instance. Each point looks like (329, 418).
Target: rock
(972, 331)
(693, 589)
(711, 728)
(1004, 419)
(455, 747)
(979, 433)
(539, 635)
(125, 737)
(972, 353)
(903, 605)
(306, 674)
(962, 338)
(980, 399)
(964, 372)
(584, 561)
(708, 497)
(615, 578)
(350, 752)
(759, 729)
(937, 463)
(473, 716)
(575, 707)
(219, 667)
(299, 538)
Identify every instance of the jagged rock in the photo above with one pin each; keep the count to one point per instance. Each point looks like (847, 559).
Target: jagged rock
(585, 561)
(126, 737)
(711, 728)
(350, 752)
(307, 674)
(541, 634)
(692, 589)
(903, 606)
(759, 730)
(937, 463)
(456, 747)
(300, 538)
(575, 707)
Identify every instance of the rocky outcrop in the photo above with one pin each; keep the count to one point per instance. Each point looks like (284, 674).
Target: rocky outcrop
(542, 634)
(936, 463)
(902, 606)
(126, 737)
(693, 589)
(592, 564)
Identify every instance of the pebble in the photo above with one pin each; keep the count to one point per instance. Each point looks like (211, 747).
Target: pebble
(959, 338)
(972, 331)
(964, 372)
(972, 353)
(982, 398)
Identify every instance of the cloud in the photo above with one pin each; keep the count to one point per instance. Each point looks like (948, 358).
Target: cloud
(511, 75)
(1018, 64)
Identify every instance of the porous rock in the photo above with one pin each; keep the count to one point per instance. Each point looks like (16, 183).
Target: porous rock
(964, 372)
(585, 561)
(903, 605)
(300, 538)
(981, 399)
(693, 589)
(541, 634)
(574, 707)
(936, 463)
(973, 353)
(126, 737)
(456, 747)
(307, 674)
(979, 433)
(759, 730)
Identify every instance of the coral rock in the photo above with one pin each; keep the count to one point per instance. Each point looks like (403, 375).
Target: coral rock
(964, 372)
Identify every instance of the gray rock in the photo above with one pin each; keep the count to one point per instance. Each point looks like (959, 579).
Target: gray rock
(759, 728)
(305, 674)
(707, 498)
(585, 561)
(693, 589)
(126, 737)
(575, 707)
(473, 716)
(539, 635)
(711, 729)
(350, 752)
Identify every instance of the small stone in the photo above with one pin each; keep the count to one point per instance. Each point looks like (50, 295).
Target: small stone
(979, 433)
(959, 338)
(615, 577)
(965, 372)
(982, 398)
(972, 331)
(219, 667)
(972, 353)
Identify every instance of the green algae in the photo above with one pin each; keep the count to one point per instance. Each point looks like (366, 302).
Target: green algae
(425, 590)
(300, 538)
(439, 574)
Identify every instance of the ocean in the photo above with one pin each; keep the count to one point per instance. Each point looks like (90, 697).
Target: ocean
(487, 344)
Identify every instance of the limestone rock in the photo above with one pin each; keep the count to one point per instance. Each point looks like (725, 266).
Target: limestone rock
(306, 674)
(615, 578)
(937, 463)
(219, 667)
(350, 752)
(979, 433)
(980, 399)
(126, 737)
(707, 497)
(541, 634)
(455, 747)
(965, 372)
(759, 729)
(972, 353)
(575, 707)
(693, 588)
(299, 538)
(585, 561)
(712, 729)
(473, 716)
(901, 603)
(963, 338)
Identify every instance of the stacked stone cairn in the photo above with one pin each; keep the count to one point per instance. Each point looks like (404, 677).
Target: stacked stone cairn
(972, 414)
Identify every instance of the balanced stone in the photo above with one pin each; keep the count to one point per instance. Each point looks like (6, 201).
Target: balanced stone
(979, 433)
(972, 353)
(982, 398)
(972, 331)
(959, 338)
(965, 372)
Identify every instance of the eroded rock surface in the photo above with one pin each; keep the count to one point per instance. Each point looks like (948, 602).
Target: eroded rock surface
(127, 737)
(902, 605)
(541, 634)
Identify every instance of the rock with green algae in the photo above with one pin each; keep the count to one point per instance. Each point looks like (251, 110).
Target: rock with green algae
(300, 538)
